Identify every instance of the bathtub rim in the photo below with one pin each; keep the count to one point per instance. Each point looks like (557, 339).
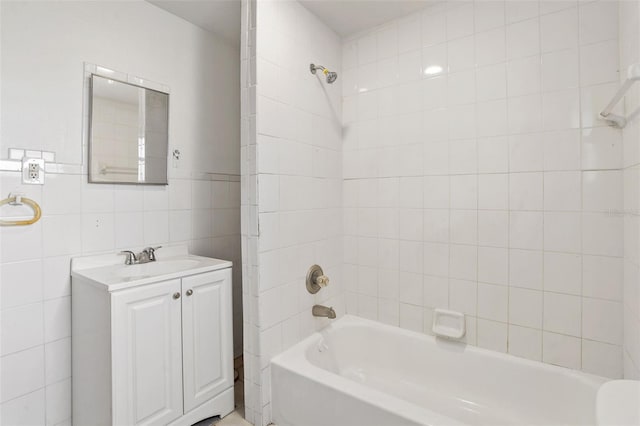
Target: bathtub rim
(294, 360)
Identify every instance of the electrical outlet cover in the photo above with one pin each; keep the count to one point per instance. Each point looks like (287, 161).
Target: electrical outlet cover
(33, 171)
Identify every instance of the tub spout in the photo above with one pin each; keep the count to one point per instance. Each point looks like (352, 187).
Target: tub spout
(323, 311)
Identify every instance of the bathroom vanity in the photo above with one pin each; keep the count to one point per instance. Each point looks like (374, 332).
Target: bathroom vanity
(151, 343)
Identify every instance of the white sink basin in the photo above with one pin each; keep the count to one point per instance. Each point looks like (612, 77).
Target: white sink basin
(172, 262)
(156, 268)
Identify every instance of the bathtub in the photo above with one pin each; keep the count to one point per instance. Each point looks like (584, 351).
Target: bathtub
(360, 372)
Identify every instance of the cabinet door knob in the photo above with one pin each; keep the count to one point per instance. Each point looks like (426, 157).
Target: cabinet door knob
(176, 295)
(189, 292)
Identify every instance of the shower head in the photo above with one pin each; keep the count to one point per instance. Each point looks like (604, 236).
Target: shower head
(331, 76)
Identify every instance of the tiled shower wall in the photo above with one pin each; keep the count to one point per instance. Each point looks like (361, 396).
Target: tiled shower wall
(478, 178)
(292, 213)
(249, 214)
(630, 54)
(81, 218)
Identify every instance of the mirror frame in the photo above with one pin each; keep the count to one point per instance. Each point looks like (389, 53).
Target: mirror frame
(90, 127)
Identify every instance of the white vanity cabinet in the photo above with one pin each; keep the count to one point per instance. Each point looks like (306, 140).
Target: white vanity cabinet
(152, 351)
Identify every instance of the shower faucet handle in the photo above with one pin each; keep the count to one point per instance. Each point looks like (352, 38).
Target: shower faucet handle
(322, 280)
(316, 279)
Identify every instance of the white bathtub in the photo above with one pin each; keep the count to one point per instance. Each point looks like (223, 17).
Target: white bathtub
(360, 372)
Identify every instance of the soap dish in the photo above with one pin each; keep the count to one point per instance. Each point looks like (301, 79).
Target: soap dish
(448, 323)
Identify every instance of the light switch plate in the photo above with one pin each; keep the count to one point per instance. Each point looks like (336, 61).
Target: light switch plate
(33, 171)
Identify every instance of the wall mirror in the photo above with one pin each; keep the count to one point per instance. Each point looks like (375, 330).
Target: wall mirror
(128, 133)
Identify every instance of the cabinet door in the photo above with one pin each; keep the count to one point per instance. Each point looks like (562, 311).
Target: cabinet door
(147, 354)
(207, 337)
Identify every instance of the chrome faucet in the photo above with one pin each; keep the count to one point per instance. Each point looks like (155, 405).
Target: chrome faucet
(148, 255)
(323, 311)
(131, 258)
(145, 256)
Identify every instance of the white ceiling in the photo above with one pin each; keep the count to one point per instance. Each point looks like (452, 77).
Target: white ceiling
(345, 17)
(221, 17)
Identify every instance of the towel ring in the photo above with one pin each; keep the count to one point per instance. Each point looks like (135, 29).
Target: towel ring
(17, 200)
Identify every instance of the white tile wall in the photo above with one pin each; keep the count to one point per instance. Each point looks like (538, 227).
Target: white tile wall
(79, 218)
(292, 179)
(476, 177)
(35, 285)
(629, 31)
(475, 160)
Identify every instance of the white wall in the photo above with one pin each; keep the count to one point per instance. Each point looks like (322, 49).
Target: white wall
(292, 216)
(630, 54)
(44, 46)
(249, 215)
(489, 188)
(45, 43)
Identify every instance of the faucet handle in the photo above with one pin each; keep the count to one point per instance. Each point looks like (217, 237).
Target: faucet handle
(322, 280)
(151, 252)
(316, 279)
(131, 257)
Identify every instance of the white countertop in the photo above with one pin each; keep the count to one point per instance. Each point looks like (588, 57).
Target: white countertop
(109, 271)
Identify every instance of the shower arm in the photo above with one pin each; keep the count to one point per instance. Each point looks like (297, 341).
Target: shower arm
(315, 68)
